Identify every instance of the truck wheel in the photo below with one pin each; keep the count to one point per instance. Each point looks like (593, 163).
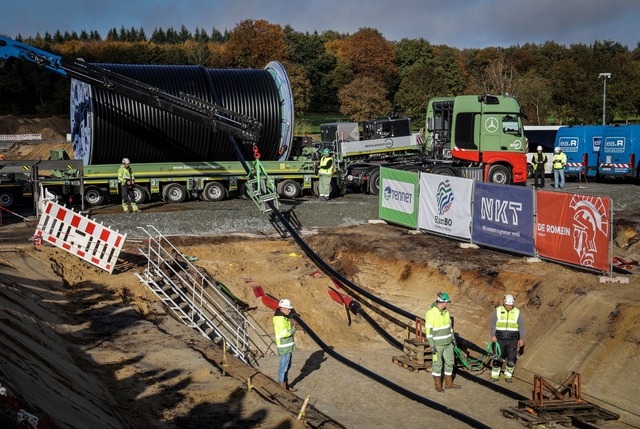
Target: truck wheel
(6, 199)
(93, 196)
(315, 188)
(214, 191)
(529, 171)
(374, 182)
(174, 193)
(499, 174)
(289, 189)
(140, 194)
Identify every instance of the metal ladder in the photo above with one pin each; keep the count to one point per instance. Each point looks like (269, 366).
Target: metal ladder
(198, 302)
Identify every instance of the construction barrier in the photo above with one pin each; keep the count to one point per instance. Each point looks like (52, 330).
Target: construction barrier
(80, 236)
(574, 228)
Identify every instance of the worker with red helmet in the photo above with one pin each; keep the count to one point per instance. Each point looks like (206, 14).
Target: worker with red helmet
(507, 333)
(285, 343)
(439, 332)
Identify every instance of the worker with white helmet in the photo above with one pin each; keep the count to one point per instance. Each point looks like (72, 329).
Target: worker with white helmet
(126, 180)
(539, 160)
(507, 333)
(285, 343)
(558, 161)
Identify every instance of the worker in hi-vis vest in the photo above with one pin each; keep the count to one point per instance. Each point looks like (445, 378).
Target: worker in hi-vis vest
(284, 341)
(507, 331)
(539, 160)
(325, 172)
(439, 332)
(126, 181)
(558, 162)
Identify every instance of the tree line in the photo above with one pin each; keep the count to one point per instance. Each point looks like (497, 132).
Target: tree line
(362, 75)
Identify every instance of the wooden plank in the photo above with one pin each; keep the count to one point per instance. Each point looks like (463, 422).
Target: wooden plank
(406, 363)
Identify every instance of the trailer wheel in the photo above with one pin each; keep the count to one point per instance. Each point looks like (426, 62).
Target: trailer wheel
(174, 193)
(214, 191)
(93, 196)
(6, 199)
(140, 194)
(289, 189)
(444, 171)
(499, 174)
(374, 182)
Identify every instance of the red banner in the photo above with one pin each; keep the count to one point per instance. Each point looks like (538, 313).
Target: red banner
(574, 228)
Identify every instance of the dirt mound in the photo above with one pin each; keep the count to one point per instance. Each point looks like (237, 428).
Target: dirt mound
(51, 127)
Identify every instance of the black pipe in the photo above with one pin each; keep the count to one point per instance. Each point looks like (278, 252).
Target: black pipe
(357, 309)
(388, 383)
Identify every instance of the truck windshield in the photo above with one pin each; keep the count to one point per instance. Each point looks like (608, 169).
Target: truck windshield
(511, 125)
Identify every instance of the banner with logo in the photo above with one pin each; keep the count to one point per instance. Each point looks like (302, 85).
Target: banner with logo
(503, 217)
(399, 196)
(574, 228)
(445, 205)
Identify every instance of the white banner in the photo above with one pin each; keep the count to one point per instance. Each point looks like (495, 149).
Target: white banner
(445, 205)
(19, 137)
(398, 195)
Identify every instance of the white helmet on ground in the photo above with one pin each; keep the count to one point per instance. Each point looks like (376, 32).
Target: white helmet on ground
(126, 161)
(539, 148)
(285, 303)
(509, 300)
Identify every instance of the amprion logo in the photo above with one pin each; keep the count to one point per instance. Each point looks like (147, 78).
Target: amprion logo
(444, 197)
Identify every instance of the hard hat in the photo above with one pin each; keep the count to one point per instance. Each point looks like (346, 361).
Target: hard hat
(509, 300)
(442, 297)
(539, 148)
(558, 150)
(285, 303)
(125, 161)
(325, 151)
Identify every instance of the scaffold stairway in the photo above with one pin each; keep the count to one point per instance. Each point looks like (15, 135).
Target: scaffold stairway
(198, 302)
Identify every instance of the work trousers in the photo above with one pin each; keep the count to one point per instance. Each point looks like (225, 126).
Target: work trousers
(558, 178)
(508, 352)
(445, 358)
(324, 187)
(283, 368)
(538, 177)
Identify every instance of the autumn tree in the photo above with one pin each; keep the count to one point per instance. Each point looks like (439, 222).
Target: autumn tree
(534, 95)
(252, 44)
(369, 54)
(418, 86)
(364, 98)
(300, 88)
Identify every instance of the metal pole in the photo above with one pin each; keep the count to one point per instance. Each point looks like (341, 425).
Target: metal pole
(604, 102)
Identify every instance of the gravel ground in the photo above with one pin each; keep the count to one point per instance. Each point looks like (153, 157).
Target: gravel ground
(237, 215)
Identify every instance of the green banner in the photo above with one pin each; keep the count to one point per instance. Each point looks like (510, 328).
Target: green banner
(399, 196)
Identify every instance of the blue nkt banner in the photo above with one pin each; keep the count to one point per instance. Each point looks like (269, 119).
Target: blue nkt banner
(503, 217)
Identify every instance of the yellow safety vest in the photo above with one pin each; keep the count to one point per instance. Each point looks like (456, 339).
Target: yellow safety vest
(437, 327)
(323, 165)
(284, 335)
(559, 160)
(507, 323)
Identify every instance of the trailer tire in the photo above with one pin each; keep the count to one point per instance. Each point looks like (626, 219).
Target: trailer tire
(174, 193)
(214, 191)
(93, 196)
(499, 174)
(529, 171)
(6, 199)
(289, 189)
(374, 182)
(443, 171)
(140, 194)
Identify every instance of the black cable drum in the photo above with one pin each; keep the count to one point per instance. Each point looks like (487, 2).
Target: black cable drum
(107, 127)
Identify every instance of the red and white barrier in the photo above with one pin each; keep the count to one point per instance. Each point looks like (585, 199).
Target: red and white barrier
(80, 236)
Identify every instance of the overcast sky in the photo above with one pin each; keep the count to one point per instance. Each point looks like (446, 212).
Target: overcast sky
(456, 23)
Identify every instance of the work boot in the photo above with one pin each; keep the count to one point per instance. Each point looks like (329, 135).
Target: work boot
(134, 207)
(285, 386)
(125, 207)
(438, 384)
(449, 384)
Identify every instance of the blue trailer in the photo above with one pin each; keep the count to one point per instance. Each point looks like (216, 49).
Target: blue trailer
(620, 151)
(581, 144)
